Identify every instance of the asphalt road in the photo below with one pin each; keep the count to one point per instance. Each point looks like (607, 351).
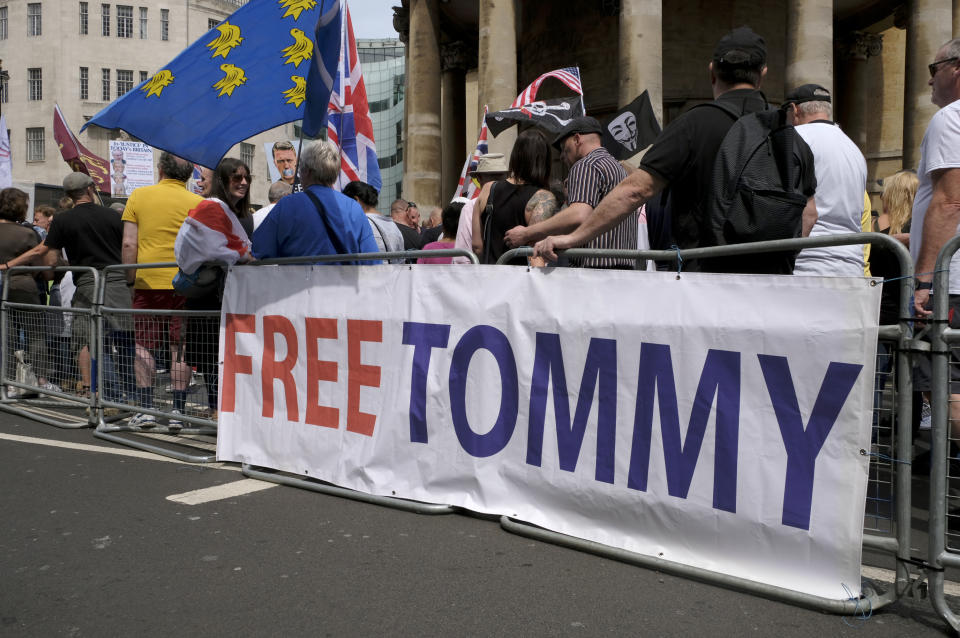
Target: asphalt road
(92, 545)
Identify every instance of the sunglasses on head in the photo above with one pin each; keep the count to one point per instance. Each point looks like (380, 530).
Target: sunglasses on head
(412, 205)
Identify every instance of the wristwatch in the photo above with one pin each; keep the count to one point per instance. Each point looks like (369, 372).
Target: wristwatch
(924, 285)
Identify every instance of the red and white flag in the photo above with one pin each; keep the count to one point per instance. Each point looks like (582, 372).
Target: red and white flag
(76, 154)
(466, 187)
(211, 232)
(569, 76)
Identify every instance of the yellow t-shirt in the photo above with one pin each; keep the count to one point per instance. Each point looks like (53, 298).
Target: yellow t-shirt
(158, 211)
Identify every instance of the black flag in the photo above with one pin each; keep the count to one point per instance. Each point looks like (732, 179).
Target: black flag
(551, 115)
(632, 129)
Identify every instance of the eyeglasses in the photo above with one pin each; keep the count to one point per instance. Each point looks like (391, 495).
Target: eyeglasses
(933, 66)
(236, 179)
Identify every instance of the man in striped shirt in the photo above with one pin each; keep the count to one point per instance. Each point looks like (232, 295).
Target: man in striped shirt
(593, 174)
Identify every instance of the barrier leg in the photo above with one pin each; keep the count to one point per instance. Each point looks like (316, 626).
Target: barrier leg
(871, 600)
(333, 490)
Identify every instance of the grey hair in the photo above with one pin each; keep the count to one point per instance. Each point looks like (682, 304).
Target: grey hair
(811, 108)
(322, 160)
(278, 190)
(953, 48)
(174, 167)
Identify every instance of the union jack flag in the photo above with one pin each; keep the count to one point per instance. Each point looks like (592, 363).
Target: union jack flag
(349, 125)
(466, 187)
(6, 165)
(569, 76)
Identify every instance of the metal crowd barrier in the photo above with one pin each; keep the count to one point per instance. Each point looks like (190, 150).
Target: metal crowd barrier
(187, 433)
(887, 512)
(944, 523)
(314, 485)
(888, 508)
(37, 343)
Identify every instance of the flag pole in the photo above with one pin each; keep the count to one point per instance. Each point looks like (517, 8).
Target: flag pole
(583, 100)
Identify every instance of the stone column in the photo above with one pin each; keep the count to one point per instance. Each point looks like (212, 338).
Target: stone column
(421, 155)
(641, 52)
(809, 44)
(956, 18)
(453, 59)
(497, 64)
(929, 25)
(852, 102)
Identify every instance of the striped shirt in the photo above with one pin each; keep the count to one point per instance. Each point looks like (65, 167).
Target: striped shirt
(589, 181)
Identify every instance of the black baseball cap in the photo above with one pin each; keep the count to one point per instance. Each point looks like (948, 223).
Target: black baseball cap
(807, 93)
(584, 124)
(741, 47)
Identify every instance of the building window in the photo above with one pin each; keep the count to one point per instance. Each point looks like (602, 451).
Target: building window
(35, 145)
(143, 23)
(164, 24)
(84, 83)
(124, 21)
(212, 23)
(33, 19)
(124, 81)
(143, 76)
(4, 90)
(3, 23)
(34, 84)
(246, 153)
(84, 18)
(105, 93)
(105, 20)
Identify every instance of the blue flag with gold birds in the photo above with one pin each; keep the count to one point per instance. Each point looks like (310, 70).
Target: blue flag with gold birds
(246, 75)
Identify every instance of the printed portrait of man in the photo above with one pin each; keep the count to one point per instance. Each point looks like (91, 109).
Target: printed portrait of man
(285, 159)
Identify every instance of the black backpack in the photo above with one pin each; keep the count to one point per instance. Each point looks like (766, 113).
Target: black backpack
(754, 194)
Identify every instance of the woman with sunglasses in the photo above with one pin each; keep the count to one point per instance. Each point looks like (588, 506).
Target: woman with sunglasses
(218, 230)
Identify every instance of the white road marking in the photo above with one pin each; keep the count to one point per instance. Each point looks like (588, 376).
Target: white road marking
(220, 492)
(950, 588)
(84, 447)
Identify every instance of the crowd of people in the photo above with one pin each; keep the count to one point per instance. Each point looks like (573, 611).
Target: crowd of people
(601, 203)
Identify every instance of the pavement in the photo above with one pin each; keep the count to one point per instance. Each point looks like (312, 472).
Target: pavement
(98, 539)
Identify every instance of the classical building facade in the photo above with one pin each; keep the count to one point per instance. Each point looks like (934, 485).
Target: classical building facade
(83, 55)
(871, 53)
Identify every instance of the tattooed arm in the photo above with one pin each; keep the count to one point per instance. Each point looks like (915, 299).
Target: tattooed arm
(541, 206)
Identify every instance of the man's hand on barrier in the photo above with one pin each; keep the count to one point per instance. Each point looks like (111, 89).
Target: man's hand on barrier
(920, 299)
(548, 247)
(516, 237)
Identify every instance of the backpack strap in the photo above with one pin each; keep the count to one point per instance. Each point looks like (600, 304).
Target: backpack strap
(334, 239)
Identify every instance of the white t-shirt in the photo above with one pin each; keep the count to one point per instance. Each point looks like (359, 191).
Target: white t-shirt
(465, 231)
(940, 149)
(261, 214)
(841, 181)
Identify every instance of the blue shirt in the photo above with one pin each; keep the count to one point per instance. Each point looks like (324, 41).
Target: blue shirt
(294, 227)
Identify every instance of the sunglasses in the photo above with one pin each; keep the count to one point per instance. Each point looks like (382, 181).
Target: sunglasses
(411, 205)
(236, 179)
(933, 66)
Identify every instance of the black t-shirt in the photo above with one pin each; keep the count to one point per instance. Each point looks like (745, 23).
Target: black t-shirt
(91, 235)
(509, 202)
(683, 155)
(411, 238)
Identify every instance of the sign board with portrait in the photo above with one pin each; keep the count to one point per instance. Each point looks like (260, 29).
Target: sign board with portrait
(281, 160)
(131, 166)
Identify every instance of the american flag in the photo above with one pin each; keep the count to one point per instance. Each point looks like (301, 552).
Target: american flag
(349, 125)
(569, 76)
(466, 187)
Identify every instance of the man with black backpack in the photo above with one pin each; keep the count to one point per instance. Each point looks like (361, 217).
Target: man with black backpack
(684, 159)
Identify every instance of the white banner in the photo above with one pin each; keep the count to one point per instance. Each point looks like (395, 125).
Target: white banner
(131, 166)
(714, 420)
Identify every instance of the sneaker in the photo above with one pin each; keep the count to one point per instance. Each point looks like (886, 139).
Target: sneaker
(925, 416)
(52, 387)
(143, 420)
(175, 420)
